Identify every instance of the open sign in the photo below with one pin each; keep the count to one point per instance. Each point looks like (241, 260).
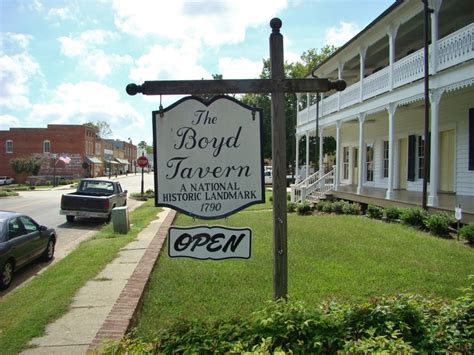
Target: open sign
(209, 242)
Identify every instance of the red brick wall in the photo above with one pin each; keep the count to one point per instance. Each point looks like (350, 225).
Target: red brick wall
(64, 139)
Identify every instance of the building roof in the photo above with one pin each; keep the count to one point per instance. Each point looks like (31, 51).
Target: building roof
(94, 160)
(122, 161)
(368, 27)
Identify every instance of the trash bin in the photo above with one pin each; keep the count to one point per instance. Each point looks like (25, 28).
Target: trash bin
(120, 220)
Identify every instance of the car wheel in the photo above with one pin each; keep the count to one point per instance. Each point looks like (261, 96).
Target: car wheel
(108, 218)
(6, 275)
(49, 251)
(70, 218)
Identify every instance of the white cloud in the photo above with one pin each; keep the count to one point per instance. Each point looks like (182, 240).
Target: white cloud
(18, 68)
(60, 14)
(241, 68)
(86, 41)
(8, 121)
(83, 102)
(214, 22)
(169, 63)
(339, 36)
(94, 59)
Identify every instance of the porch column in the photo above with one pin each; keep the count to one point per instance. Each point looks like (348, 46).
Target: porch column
(392, 35)
(321, 168)
(435, 5)
(298, 105)
(297, 167)
(340, 69)
(307, 107)
(361, 153)
(391, 108)
(307, 155)
(435, 97)
(338, 154)
(362, 52)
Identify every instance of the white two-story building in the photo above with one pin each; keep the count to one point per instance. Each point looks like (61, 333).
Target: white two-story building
(378, 120)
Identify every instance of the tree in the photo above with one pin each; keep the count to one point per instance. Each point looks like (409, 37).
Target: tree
(102, 128)
(309, 60)
(27, 165)
(142, 145)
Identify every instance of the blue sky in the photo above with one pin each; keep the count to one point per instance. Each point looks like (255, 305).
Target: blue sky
(68, 62)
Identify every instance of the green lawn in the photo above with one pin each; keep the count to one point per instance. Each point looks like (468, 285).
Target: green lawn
(348, 258)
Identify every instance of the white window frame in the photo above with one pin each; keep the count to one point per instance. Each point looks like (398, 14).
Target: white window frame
(44, 146)
(7, 143)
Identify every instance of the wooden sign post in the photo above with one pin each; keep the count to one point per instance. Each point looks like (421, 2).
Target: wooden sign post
(277, 85)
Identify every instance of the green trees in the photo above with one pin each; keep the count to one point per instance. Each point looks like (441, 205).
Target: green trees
(309, 60)
(25, 165)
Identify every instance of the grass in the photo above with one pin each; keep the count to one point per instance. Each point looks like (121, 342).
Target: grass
(348, 258)
(26, 311)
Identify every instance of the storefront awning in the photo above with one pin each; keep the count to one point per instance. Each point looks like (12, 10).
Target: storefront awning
(94, 160)
(111, 162)
(122, 161)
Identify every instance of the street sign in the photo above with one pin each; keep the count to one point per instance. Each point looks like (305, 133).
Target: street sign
(210, 161)
(142, 161)
(209, 242)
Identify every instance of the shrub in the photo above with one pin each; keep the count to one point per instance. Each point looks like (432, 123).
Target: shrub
(338, 206)
(375, 212)
(291, 207)
(303, 208)
(351, 208)
(392, 213)
(467, 232)
(414, 216)
(439, 223)
(319, 206)
(401, 324)
(327, 207)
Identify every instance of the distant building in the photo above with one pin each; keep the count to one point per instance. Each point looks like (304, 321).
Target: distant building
(70, 151)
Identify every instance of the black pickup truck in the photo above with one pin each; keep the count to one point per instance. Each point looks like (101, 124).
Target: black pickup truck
(93, 198)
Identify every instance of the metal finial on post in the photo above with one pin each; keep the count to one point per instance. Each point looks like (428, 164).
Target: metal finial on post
(132, 89)
(275, 24)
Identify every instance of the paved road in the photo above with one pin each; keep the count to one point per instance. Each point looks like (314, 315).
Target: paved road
(44, 205)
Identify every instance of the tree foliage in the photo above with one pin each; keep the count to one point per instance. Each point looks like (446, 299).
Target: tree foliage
(28, 165)
(102, 128)
(309, 60)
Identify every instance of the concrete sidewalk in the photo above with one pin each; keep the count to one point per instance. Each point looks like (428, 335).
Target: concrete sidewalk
(105, 306)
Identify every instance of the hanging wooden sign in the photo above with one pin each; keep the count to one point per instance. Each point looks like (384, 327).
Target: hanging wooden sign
(209, 242)
(208, 156)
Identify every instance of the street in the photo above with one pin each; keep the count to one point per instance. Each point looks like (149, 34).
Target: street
(43, 206)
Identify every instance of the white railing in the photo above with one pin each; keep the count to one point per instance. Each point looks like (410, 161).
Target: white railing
(313, 186)
(453, 49)
(376, 83)
(456, 47)
(408, 69)
(350, 95)
(296, 188)
(330, 105)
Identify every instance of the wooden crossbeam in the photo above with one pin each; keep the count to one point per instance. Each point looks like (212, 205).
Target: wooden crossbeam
(253, 86)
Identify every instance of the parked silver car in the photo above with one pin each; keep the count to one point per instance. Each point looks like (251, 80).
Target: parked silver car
(6, 180)
(22, 240)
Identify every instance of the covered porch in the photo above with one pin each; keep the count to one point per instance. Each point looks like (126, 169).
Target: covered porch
(403, 198)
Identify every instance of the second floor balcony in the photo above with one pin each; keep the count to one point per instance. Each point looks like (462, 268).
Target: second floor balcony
(451, 51)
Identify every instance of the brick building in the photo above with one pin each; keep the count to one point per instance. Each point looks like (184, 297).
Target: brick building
(79, 143)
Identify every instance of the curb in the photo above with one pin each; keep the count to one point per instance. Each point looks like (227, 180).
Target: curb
(126, 307)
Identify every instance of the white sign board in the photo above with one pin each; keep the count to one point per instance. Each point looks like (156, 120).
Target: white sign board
(458, 213)
(209, 156)
(209, 242)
